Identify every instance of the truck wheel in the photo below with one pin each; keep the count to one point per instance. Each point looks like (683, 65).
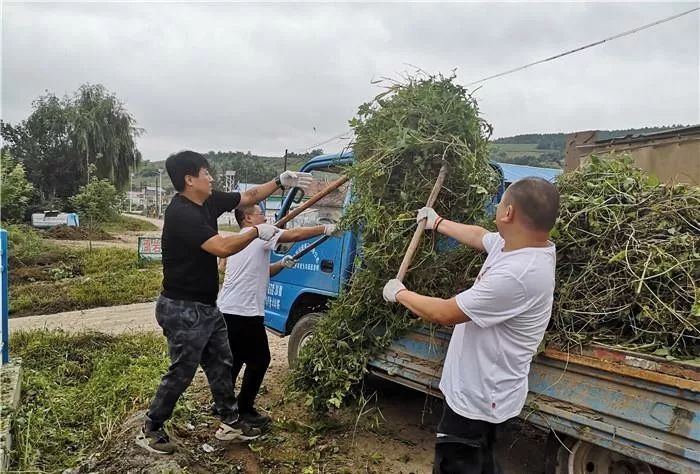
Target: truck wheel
(302, 333)
(580, 457)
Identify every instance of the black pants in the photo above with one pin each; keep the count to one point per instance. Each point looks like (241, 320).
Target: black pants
(465, 446)
(248, 340)
(196, 335)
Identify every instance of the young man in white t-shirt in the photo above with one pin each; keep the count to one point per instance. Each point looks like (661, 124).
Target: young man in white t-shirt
(242, 302)
(498, 323)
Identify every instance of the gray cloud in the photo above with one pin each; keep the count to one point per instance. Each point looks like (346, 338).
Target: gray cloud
(260, 77)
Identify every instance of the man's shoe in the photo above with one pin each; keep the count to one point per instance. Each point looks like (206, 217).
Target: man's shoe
(155, 441)
(254, 418)
(237, 430)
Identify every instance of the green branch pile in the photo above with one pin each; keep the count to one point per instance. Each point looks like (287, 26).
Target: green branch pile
(628, 262)
(402, 138)
(628, 247)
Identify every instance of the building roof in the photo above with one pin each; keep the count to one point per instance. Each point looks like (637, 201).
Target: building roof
(693, 130)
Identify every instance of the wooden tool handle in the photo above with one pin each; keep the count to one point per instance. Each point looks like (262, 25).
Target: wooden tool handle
(413, 246)
(316, 197)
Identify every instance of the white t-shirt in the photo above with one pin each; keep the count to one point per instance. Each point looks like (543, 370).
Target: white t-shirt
(488, 359)
(246, 279)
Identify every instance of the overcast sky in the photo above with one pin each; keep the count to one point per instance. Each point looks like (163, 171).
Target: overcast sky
(265, 77)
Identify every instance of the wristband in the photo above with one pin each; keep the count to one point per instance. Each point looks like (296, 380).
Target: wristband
(278, 182)
(437, 224)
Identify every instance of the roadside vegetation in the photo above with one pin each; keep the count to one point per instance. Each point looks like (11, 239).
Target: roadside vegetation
(46, 278)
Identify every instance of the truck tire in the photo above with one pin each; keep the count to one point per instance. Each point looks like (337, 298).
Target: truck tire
(302, 332)
(579, 457)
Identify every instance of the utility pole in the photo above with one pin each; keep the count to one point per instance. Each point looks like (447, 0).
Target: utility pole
(160, 184)
(131, 190)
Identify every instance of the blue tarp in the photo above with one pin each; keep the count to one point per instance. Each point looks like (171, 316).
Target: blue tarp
(513, 172)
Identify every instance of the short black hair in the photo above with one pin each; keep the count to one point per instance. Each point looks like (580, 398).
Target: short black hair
(537, 199)
(240, 213)
(184, 163)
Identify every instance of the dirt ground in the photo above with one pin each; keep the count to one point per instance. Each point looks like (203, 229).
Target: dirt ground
(394, 435)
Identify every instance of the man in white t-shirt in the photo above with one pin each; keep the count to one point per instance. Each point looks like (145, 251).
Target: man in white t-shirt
(242, 302)
(498, 323)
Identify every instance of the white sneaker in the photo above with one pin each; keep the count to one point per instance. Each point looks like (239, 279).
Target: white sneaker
(237, 430)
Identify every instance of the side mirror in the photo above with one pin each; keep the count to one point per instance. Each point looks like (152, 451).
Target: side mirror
(298, 196)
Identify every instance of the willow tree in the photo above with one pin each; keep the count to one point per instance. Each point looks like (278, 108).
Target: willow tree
(103, 133)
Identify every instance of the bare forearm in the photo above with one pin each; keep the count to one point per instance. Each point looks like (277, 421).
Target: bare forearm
(258, 193)
(435, 310)
(275, 268)
(470, 235)
(237, 242)
(301, 233)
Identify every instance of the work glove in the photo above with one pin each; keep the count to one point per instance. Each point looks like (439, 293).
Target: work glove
(295, 179)
(391, 289)
(288, 261)
(266, 231)
(430, 216)
(330, 229)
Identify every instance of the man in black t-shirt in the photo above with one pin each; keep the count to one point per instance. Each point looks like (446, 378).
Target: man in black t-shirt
(186, 310)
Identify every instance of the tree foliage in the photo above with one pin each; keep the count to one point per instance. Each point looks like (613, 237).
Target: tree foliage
(63, 135)
(98, 201)
(15, 190)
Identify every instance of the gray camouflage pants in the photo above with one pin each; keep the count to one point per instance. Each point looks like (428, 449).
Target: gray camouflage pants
(196, 335)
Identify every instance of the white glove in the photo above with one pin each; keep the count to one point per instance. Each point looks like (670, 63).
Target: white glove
(288, 261)
(391, 289)
(430, 216)
(329, 229)
(266, 231)
(295, 179)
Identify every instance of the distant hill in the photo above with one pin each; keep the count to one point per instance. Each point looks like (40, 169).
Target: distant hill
(532, 149)
(248, 167)
(547, 149)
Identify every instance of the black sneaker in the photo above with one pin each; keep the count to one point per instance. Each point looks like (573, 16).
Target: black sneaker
(155, 441)
(254, 418)
(237, 430)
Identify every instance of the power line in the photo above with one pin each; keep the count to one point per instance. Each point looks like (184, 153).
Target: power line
(541, 61)
(336, 137)
(626, 33)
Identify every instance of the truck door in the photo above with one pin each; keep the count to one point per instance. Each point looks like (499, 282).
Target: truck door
(320, 270)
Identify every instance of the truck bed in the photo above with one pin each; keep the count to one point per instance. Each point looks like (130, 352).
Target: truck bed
(642, 406)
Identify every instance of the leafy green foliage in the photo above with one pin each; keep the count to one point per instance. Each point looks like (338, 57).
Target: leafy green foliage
(628, 261)
(402, 138)
(15, 190)
(98, 201)
(76, 388)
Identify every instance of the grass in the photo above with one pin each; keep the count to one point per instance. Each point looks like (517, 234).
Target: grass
(127, 223)
(76, 389)
(46, 278)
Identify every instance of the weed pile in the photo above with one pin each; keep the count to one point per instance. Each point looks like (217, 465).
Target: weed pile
(403, 137)
(628, 262)
(64, 232)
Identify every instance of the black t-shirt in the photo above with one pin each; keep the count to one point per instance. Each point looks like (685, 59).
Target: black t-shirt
(190, 273)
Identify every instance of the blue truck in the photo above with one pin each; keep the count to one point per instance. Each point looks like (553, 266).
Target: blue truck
(607, 411)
